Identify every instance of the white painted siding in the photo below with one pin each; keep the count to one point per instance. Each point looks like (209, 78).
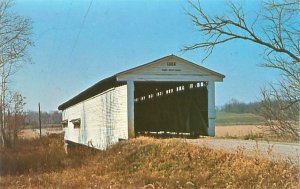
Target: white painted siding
(103, 119)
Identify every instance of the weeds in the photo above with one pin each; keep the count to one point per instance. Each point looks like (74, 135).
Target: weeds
(155, 163)
(39, 155)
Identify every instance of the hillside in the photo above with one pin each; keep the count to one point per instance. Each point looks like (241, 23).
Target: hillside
(228, 118)
(138, 163)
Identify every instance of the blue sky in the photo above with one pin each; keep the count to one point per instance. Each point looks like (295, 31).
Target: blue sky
(71, 55)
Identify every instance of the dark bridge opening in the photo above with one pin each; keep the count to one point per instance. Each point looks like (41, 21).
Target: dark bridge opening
(171, 108)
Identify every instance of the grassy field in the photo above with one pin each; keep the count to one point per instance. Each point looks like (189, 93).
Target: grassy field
(241, 126)
(226, 118)
(139, 163)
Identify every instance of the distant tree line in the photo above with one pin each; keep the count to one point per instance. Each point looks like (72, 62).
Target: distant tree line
(258, 108)
(47, 118)
(235, 106)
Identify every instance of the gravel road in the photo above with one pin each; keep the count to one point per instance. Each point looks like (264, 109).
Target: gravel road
(274, 150)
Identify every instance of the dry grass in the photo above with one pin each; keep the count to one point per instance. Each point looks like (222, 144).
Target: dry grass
(237, 130)
(37, 156)
(246, 132)
(28, 134)
(145, 162)
(34, 133)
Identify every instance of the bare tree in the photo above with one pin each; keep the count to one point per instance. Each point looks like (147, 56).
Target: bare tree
(15, 119)
(51, 118)
(277, 28)
(14, 42)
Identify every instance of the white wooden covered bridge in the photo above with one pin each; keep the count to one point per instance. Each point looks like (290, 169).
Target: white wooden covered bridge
(170, 94)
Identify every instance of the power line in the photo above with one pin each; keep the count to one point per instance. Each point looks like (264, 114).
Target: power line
(81, 26)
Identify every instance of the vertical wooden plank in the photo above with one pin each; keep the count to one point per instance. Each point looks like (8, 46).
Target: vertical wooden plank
(130, 108)
(211, 108)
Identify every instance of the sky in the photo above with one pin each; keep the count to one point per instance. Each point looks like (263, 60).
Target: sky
(80, 42)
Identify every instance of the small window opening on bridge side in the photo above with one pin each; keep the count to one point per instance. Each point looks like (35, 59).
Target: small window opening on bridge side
(76, 123)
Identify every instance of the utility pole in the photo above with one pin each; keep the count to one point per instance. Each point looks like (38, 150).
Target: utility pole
(40, 123)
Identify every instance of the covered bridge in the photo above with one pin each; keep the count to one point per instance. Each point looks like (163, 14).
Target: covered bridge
(170, 94)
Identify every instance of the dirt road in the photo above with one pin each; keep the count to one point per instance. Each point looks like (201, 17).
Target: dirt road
(274, 150)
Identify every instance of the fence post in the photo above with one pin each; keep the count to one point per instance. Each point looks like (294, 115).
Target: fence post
(40, 123)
